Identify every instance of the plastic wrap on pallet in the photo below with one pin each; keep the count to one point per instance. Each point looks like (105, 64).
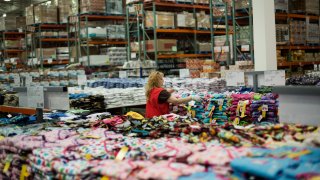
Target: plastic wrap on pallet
(241, 4)
(7, 23)
(30, 15)
(45, 13)
(313, 33)
(312, 7)
(203, 20)
(117, 55)
(114, 7)
(297, 6)
(297, 32)
(116, 31)
(67, 8)
(20, 22)
(185, 19)
(204, 46)
(281, 5)
(243, 35)
(164, 19)
(92, 6)
(94, 32)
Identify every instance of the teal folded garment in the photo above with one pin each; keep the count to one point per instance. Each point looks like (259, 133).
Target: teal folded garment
(268, 168)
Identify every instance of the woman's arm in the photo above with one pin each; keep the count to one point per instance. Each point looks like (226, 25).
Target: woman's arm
(176, 101)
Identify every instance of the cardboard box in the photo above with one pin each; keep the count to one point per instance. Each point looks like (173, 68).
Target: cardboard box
(164, 19)
(163, 45)
(45, 14)
(186, 19)
(30, 15)
(203, 20)
(93, 6)
(7, 23)
(20, 22)
(47, 53)
(114, 7)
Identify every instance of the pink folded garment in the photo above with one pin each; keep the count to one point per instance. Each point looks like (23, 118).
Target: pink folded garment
(164, 170)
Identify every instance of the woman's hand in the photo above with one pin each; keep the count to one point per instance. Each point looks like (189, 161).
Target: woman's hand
(170, 90)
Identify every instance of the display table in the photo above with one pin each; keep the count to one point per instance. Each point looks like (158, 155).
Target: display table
(299, 104)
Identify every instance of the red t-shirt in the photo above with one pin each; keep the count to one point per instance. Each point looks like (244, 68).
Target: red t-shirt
(154, 108)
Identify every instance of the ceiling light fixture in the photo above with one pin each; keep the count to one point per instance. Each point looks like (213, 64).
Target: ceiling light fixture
(4, 15)
(7, 0)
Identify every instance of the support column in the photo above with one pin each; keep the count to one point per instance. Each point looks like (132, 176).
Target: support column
(264, 35)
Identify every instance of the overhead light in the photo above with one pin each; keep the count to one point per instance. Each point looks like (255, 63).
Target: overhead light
(7, 0)
(4, 15)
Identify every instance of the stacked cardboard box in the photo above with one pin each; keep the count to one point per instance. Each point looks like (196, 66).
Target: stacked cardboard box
(195, 66)
(297, 6)
(281, 5)
(186, 19)
(298, 55)
(163, 45)
(67, 8)
(313, 33)
(282, 33)
(98, 6)
(280, 57)
(312, 7)
(241, 4)
(13, 44)
(117, 55)
(297, 32)
(45, 13)
(164, 19)
(204, 46)
(201, 2)
(30, 15)
(7, 23)
(47, 53)
(20, 22)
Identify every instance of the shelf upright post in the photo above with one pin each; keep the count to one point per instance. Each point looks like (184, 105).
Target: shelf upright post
(196, 49)
(5, 54)
(155, 32)
(68, 32)
(235, 29)
(144, 32)
(87, 40)
(211, 30)
(251, 31)
(40, 46)
(128, 34)
(139, 35)
(227, 33)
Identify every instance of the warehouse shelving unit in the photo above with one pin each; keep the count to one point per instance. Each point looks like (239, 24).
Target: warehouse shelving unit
(41, 42)
(7, 52)
(288, 46)
(137, 29)
(86, 42)
(241, 17)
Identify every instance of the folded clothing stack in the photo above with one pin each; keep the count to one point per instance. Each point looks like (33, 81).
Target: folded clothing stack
(117, 83)
(92, 102)
(240, 111)
(216, 109)
(265, 108)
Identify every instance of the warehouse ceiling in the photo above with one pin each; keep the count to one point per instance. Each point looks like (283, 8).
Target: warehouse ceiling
(16, 7)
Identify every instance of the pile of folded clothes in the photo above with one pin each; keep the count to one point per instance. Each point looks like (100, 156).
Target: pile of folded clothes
(92, 102)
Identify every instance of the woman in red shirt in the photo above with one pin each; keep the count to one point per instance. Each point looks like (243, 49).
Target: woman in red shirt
(158, 98)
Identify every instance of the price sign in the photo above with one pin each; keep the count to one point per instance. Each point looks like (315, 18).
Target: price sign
(133, 55)
(50, 61)
(245, 48)
(184, 73)
(217, 49)
(235, 78)
(16, 80)
(35, 96)
(275, 78)
(123, 74)
(174, 48)
(82, 80)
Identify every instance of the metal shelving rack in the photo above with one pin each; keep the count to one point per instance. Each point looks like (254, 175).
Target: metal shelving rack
(141, 34)
(86, 42)
(41, 42)
(10, 52)
(245, 16)
(281, 16)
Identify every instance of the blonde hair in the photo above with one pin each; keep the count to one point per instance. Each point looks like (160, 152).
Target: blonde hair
(153, 82)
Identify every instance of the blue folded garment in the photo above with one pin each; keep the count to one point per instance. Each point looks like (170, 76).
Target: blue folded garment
(200, 176)
(302, 168)
(269, 168)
